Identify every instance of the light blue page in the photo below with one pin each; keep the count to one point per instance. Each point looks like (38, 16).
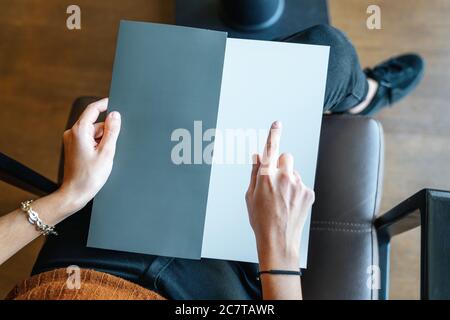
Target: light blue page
(262, 82)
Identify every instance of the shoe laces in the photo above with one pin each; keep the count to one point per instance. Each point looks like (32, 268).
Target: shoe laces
(388, 75)
(391, 72)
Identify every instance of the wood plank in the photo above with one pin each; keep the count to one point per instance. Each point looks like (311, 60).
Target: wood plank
(43, 68)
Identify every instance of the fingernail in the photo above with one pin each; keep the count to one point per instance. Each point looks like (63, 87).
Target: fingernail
(115, 115)
(276, 124)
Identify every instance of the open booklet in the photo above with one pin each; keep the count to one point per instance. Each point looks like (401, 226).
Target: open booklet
(195, 106)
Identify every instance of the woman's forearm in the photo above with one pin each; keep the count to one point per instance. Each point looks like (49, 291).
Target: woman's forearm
(15, 230)
(278, 203)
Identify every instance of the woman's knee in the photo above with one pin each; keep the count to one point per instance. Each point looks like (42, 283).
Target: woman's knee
(343, 67)
(343, 57)
(324, 34)
(342, 49)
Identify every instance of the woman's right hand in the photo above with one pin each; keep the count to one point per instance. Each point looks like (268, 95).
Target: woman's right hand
(278, 204)
(89, 149)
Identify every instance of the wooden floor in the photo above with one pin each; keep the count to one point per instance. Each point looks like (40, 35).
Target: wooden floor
(44, 66)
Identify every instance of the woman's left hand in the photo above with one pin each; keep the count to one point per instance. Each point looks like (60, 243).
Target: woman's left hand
(89, 150)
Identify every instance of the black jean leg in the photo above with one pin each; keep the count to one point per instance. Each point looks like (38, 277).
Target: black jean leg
(346, 83)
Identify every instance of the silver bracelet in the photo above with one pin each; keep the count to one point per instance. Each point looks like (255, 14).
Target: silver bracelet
(34, 219)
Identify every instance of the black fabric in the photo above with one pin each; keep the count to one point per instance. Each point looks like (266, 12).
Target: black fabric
(346, 82)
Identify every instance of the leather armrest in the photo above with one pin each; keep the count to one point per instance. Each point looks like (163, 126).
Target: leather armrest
(343, 241)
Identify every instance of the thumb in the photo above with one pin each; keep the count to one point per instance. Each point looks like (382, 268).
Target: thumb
(110, 133)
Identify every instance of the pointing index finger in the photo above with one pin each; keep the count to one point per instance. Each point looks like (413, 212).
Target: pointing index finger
(271, 150)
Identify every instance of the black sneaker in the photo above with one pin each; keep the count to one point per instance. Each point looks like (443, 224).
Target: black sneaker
(396, 78)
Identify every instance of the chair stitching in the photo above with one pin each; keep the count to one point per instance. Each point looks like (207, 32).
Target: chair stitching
(342, 230)
(353, 224)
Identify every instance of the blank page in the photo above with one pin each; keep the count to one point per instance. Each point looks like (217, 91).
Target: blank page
(262, 82)
(165, 78)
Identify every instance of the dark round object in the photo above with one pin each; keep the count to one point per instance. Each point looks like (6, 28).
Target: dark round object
(252, 15)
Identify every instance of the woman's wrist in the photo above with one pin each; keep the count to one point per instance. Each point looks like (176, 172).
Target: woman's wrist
(56, 207)
(278, 257)
(67, 201)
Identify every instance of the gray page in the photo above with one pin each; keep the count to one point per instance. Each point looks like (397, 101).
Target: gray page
(165, 78)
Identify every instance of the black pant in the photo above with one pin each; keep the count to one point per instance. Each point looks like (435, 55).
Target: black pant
(346, 82)
(207, 278)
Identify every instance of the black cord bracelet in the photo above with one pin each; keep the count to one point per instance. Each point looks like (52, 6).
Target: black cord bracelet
(281, 272)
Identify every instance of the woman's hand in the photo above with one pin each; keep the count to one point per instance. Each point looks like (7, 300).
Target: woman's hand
(278, 203)
(89, 150)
